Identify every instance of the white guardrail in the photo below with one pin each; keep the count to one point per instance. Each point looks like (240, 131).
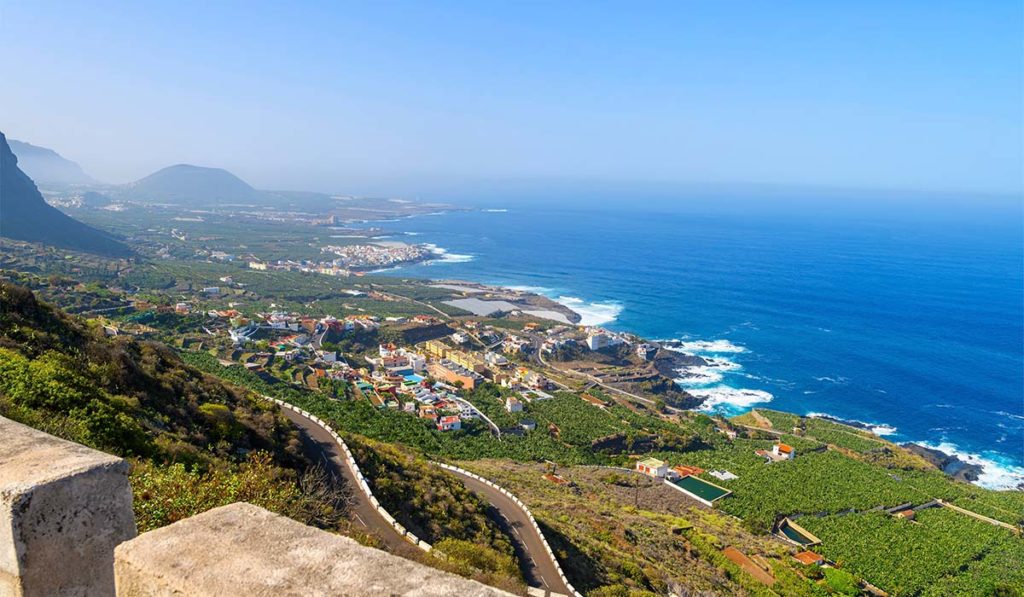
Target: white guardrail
(407, 535)
(526, 510)
(363, 485)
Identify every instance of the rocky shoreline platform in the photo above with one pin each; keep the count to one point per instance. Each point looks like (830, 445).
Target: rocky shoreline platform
(947, 463)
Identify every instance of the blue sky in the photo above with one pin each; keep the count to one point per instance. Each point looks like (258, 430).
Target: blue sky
(392, 97)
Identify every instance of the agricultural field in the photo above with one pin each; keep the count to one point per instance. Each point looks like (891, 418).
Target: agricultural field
(619, 533)
(910, 557)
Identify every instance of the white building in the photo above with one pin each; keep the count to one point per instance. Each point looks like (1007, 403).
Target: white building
(783, 451)
(495, 359)
(646, 351)
(513, 405)
(597, 341)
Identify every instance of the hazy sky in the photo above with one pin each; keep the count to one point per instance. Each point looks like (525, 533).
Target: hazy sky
(390, 96)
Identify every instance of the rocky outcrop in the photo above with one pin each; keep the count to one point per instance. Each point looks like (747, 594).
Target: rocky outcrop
(947, 463)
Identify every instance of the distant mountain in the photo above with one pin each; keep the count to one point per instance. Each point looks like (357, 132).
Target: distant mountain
(48, 167)
(25, 216)
(193, 186)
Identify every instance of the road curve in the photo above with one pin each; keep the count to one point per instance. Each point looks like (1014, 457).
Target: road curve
(538, 567)
(321, 446)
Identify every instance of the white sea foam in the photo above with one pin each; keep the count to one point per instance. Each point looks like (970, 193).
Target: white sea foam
(996, 472)
(1008, 415)
(541, 290)
(838, 380)
(496, 211)
(726, 399)
(707, 347)
(883, 430)
(596, 313)
(703, 375)
(444, 256)
(698, 376)
(879, 429)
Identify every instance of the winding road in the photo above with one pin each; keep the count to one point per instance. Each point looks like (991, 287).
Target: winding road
(538, 568)
(321, 447)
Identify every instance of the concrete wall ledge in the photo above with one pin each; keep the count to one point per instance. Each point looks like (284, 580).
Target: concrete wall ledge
(245, 550)
(63, 508)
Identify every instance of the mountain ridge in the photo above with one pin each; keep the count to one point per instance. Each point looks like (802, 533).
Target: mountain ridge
(46, 166)
(24, 215)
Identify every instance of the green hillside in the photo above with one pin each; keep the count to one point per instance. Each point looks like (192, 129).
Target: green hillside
(195, 443)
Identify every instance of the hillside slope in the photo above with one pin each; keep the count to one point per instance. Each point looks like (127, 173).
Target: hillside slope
(24, 215)
(189, 185)
(195, 443)
(48, 167)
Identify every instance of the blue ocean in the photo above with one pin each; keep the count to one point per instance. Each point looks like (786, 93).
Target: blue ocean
(905, 315)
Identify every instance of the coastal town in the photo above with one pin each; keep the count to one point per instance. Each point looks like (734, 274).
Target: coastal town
(468, 372)
(425, 377)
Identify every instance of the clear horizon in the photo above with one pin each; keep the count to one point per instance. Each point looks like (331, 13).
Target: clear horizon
(412, 98)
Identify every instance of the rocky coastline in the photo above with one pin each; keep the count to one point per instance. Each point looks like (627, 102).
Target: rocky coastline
(947, 463)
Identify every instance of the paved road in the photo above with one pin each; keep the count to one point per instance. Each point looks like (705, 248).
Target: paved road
(321, 446)
(538, 567)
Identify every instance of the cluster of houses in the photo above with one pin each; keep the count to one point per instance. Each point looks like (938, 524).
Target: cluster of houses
(427, 381)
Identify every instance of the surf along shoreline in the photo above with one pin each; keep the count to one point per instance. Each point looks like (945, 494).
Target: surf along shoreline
(699, 368)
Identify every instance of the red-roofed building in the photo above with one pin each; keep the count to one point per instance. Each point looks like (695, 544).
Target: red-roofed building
(808, 558)
(449, 423)
(685, 471)
(784, 450)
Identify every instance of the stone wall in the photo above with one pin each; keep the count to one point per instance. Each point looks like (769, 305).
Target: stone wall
(67, 530)
(242, 549)
(63, 509)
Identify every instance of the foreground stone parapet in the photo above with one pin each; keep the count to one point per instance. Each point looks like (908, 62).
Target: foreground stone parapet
(242, 549)
(63, 509)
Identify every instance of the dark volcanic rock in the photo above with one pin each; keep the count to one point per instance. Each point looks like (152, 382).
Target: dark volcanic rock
(669, 362)
(949, 464)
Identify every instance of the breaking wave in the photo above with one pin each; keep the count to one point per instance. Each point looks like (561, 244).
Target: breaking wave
(996, 472)
(596, 313)
(445, 257)
(703, 375)
(707, 347)
(727, 401)
(879, 429)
